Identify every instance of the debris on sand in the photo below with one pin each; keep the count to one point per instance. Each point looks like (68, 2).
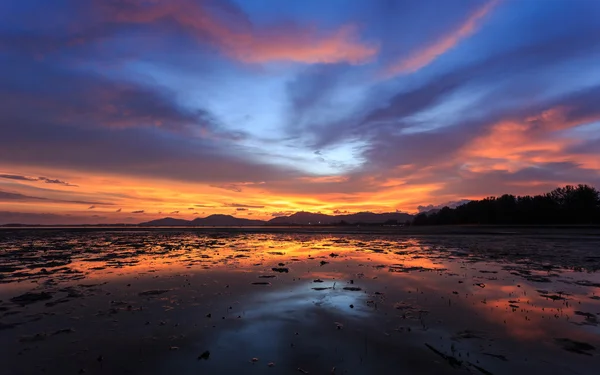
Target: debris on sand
(481, 369)
(302, 370)
(261, 283)
(537, 278)
(254, 360)
(321, 288)
(271, 364)
(481, 285)
(31, 297)
(280, 269)
(450, 359)
(266, 276)
(65, 330)
(553, 297)
(575, 346)
(467, 334)
(33, 338)
(403, 306)
(589, 317)
(324, 263)
(8, 325)
(498, 356)
(338, 325)
(154, 292)
(317, 281)
(587, 283)
(352, 288)
(333, 255)
(204, 355)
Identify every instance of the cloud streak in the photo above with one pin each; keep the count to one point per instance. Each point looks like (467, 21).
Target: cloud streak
(43, 179)
(234, 34)
(6, 196)
(425, 56)
(240, 205)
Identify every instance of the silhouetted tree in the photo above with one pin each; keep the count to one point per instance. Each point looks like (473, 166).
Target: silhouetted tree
(565, 205)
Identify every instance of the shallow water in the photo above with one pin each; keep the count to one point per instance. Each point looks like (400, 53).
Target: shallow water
(189, 302)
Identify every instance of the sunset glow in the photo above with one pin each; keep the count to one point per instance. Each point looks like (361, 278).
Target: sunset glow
(128, 111)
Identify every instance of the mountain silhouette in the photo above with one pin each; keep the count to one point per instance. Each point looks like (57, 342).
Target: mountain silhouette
(212, 220)
(167, 222)
(299, 218)
(225, 220)
(309, 218)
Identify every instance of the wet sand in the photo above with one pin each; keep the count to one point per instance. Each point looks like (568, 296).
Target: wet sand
(222, 302)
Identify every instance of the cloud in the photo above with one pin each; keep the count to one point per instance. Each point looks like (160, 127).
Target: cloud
(531, 139)
(17, 177)
(44, 179)
(88, 100)
(339, 212)
(388, 114)
(55, 181)
(230, 187)
(423, 57)
(233, 33)
(17, 197)
(282, 213)
(129, 148)
(241, 205)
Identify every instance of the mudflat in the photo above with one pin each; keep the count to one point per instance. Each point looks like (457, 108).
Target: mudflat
(175, 301)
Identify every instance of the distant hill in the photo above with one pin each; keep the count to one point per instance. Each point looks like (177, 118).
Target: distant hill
(167, 222)
(212, 220)
(299, 218)
(225, 220)
(309, 218)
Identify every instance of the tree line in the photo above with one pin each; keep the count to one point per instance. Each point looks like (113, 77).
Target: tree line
(566, 205)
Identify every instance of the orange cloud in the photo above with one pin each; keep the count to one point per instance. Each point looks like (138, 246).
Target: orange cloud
(514, 144)
(425, 56)
(235, 36)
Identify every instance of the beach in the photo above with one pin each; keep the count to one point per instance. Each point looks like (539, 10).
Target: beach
(162, 301)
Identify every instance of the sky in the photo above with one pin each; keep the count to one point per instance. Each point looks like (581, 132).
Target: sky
(124, 111)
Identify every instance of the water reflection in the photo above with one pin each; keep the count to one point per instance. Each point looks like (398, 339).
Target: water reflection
(154, 301)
